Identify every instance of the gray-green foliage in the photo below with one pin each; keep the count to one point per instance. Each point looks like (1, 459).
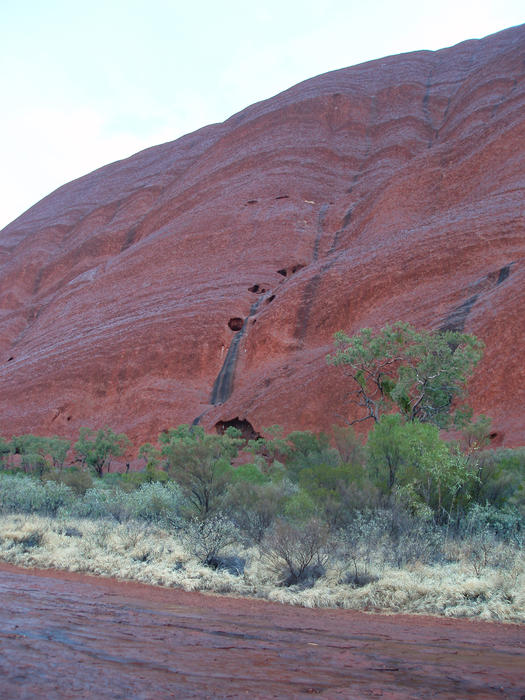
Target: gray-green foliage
(156, 502)
(23, 494)
(484, 520)
(419, 372)
(392, 535)
(152, 502)
(96, 448)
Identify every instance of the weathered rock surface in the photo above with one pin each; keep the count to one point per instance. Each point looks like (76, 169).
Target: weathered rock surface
(390, 190)
(66, 635)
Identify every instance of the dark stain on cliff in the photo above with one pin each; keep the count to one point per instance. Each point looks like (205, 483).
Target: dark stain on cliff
(129, 239)
(457, 318)
(503, 274)
(223, 386)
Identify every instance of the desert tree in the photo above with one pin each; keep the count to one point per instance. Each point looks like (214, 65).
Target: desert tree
(96, 448)
(201, 464)
(417, 372)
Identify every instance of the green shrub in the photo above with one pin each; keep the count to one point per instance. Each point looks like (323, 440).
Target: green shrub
(300, 507)
(78, 480)
(97, 448)
(501, 478)
(22, 494)
(5, 450)
(248, 473)
(254, 507)
(130, 481)
(152, 502)
(201, 465)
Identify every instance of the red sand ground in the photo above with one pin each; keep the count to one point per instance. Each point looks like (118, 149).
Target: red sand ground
(67, 635)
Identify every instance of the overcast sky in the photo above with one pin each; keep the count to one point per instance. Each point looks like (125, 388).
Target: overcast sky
(87, 83)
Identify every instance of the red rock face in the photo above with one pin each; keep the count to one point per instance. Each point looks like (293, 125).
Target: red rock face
(390, 190)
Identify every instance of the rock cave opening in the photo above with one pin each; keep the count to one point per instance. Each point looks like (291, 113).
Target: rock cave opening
(290, 270)
(270, 299)
(496, 438)
(257, 289)
(247, 430)
(235, 323)
(10, 358)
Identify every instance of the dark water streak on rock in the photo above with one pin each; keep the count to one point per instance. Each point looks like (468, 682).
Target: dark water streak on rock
(223, 385)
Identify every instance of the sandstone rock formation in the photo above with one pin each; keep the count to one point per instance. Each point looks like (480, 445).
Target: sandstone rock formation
(390, 190)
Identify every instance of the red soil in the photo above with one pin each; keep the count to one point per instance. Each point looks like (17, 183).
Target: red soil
(68, 635)
(390, 190)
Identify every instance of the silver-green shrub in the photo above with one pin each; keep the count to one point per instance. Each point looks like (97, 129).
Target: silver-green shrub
(156, 502)
(152, 502)
(22, 494)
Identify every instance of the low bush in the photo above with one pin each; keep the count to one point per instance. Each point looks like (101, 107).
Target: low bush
(23, 494)
(78, 480)
(297, 553)
(254, 507)
(152, 502)
(505, 523)
(207, 539)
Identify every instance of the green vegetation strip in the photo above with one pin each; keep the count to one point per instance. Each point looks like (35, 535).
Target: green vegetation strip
(405, 521)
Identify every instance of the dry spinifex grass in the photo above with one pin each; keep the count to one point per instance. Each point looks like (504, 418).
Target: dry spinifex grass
(463, 587)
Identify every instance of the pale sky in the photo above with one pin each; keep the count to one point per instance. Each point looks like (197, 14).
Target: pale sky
(87, 83)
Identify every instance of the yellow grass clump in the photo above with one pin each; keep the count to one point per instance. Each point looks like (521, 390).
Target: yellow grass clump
(153, 555)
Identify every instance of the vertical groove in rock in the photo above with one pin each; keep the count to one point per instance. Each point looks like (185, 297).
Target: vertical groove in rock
(223, 385)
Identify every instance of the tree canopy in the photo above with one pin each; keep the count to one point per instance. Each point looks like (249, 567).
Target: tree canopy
(201, 463)
(419, 372)
(96, 448)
